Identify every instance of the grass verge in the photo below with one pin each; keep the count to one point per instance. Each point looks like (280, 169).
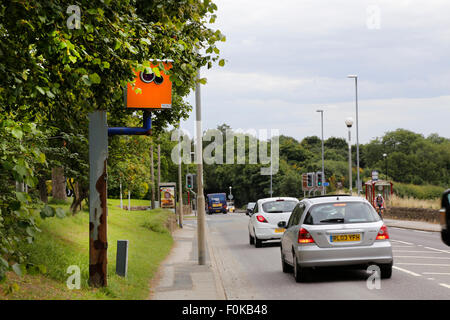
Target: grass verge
(65, 242)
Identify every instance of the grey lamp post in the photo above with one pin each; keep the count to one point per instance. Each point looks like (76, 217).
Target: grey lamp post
(385, 162)
(357, 133)
(323, 166)
(349, 123)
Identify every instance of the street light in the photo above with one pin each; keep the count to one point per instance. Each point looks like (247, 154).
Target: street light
(385, 161)
(323, 167)
(352, 76)
(349, 123)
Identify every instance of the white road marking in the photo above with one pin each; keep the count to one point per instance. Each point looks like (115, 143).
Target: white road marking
(396, 246)
(437, 273)
(423, 264)
(406, 271)
(421, 231)
(404, 242)
(420, 257)
(445, 285)
(412, 251)
(445, 251)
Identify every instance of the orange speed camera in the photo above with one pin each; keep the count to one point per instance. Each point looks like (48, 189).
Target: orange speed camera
(156, 92)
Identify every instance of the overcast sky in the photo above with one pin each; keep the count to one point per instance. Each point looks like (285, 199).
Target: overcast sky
(287, 58)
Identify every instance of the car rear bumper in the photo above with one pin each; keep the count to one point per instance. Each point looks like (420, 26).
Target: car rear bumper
(312, 256)
(268, 233)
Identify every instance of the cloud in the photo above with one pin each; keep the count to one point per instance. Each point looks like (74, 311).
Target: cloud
(287, 58)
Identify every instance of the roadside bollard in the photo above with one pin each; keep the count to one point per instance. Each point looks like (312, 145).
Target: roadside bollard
(122, 258)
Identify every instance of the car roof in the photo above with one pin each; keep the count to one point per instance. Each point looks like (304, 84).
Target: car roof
(276, 198)
(334, 198)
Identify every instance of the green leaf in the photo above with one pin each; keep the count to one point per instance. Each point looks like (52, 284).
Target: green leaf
(40, 90)
(73, 59)
(221, 62)
(4, 263)
(156, 71)
(87, 81)
(145, 41)
(22, 197)
(95, 78)
(21, 170)
(47, 212)
(17, 133)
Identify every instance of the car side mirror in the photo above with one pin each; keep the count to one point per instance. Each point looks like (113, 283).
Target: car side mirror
(282, 224)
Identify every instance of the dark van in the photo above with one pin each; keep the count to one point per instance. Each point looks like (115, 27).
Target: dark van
(216, 202)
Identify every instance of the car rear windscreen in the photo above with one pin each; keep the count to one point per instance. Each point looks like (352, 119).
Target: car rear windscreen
(341, 212)
(278, 206)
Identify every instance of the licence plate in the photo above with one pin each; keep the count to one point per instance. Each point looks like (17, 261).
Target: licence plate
(280, 230)
(345, 237)
(217, 205)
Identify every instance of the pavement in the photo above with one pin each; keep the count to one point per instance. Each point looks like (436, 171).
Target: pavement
(180, 277)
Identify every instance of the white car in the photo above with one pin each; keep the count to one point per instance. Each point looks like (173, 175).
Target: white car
(265, 216)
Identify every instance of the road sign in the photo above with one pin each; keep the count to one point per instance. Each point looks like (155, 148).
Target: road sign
(156, 92)
(374, 175)
(230, 196)
(326, 184)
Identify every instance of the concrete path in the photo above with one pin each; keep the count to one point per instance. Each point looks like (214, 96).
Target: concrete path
(180, 277)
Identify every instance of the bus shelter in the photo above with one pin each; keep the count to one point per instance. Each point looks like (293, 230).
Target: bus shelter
(374, 187)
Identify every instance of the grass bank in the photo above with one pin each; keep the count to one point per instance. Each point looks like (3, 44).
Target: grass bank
(64, 242)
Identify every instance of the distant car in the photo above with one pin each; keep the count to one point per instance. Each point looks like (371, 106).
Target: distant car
(267, 213)
(334, 231)
(445, 217)
(216, 203)
(250, 207)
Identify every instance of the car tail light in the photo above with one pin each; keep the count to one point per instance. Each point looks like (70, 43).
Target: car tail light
(261, 218)
(304, 236)
(383, 234)
(225, 206)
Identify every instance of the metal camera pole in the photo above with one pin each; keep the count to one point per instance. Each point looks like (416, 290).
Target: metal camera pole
(200, 196)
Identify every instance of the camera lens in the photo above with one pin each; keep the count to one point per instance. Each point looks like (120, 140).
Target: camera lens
(159, 80)
(147, 77)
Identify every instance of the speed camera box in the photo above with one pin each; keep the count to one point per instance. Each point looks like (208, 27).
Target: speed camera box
(156, 92)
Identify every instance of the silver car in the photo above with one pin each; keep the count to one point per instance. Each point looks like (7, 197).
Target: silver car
(265, 216)
(334, 231)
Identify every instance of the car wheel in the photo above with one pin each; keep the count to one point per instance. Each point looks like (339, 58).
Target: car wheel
(284, 266)
(301, 274)
(386, 271)
(252, 240)
(258, 242)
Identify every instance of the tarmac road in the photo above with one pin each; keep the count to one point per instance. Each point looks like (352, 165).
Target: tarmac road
(421, 268)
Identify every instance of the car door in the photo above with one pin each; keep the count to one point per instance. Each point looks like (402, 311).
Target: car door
(288, 236)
